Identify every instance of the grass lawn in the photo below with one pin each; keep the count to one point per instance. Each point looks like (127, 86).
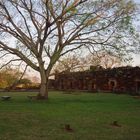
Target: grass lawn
(89, 115)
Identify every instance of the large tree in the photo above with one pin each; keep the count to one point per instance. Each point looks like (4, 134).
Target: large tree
(45, 30)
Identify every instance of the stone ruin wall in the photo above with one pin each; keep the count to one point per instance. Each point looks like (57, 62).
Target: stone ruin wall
(122, 79)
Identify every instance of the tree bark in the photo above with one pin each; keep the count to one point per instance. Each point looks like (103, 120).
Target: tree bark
(43, 92)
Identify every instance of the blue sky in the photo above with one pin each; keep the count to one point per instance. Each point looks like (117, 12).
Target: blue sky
(138, 1)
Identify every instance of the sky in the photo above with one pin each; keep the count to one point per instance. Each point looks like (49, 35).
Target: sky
(136, 60)
(138, 1)
(136, 57)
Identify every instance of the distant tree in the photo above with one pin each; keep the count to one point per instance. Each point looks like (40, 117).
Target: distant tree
(35, 79)
(70, 63)
(105, 60)
(25, 81)
(46, 30)
(8, 76)
(73, 63)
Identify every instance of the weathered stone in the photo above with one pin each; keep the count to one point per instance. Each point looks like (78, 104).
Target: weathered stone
(122, 79)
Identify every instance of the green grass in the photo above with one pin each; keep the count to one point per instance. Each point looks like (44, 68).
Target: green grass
(89, 115)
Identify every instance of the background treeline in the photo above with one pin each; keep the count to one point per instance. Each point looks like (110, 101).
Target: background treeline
(11, 78)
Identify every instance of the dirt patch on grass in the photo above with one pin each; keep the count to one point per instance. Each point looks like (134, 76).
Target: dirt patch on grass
(115, 124)
(136, 97)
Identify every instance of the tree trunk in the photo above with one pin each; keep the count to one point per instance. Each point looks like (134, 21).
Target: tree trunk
(43, 93)
(44, 74)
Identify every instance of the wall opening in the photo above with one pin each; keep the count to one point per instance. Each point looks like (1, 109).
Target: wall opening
(138, 87)
(112, 84)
